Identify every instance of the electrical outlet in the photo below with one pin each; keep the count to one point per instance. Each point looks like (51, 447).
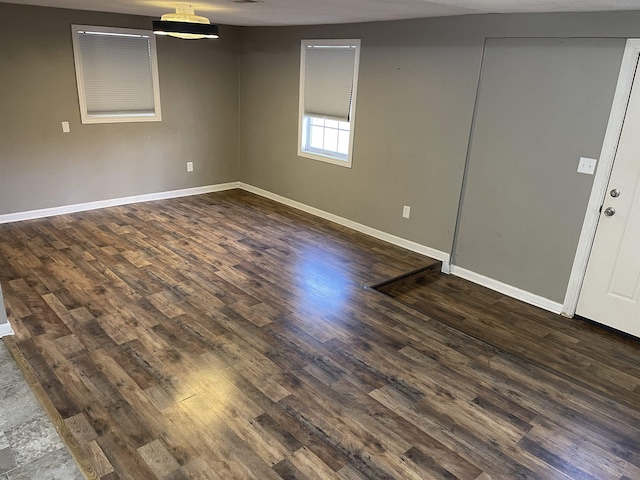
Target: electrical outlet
(65, 127)
(189, 166)
(587, 165)
(406, 211)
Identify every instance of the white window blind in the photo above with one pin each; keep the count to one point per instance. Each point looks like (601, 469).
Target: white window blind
(117, 77)
(329, 77)
(328, 92)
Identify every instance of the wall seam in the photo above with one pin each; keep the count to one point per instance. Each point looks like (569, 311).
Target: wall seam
(456, 232)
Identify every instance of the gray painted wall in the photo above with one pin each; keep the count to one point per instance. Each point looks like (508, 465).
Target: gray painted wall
(416, 100)
(41, 167)
(416, 93)
(542, 104)
(416, 97)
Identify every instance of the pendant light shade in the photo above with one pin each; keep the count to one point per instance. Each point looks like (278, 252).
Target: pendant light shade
(185, 24)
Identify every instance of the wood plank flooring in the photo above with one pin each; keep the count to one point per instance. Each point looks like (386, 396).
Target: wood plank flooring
(225, 336)
(584, 354)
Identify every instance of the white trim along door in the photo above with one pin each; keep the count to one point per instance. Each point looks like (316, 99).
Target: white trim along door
(610, 290)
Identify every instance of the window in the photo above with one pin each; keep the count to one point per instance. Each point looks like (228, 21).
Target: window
(328, 80)
(117, 74)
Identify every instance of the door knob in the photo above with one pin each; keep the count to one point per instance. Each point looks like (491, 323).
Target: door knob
(609, 212)
(615, 193)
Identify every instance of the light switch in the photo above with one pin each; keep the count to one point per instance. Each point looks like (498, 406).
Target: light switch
(587, 165)
(65, 127)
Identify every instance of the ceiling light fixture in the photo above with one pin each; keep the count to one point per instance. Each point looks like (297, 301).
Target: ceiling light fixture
(185, 24)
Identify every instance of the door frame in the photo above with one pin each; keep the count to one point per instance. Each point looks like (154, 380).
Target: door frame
(601, 180)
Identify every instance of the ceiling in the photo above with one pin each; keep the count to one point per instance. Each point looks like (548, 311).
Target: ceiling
(308, 12)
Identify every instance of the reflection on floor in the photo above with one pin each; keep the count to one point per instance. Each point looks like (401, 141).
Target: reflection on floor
(30, 448)
(225, 336)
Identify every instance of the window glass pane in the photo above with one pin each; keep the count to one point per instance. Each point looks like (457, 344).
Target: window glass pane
(344, 125)
(343, 142)
(331, 139)
(316, 121)
(331, 123)
(316, 137)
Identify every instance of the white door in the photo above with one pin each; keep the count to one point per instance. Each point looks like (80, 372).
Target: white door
(610, 293)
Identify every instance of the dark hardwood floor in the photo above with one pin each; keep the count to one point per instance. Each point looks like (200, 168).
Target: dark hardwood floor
(577, 351)
(225, 336)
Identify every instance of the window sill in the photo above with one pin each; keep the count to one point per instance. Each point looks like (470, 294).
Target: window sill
(325, 159)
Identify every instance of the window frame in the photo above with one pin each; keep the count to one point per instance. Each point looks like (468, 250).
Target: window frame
(303, 123)
(153, 60)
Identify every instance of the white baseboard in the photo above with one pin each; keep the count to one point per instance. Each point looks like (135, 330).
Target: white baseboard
(372, 232)
(81, 207)
(508, 290)
(5, 329)
(490, 283)
(114, 202)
